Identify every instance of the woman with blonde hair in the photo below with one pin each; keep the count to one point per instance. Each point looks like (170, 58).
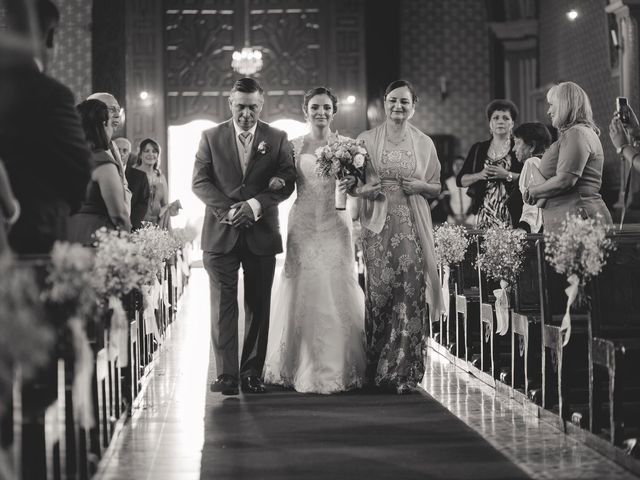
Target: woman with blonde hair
(573, 164)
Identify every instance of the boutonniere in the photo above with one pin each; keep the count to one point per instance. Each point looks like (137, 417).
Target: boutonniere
(263, 147)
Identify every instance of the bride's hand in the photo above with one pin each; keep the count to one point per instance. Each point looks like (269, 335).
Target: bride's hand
(369, 190)
(276, 183)
(347, 183)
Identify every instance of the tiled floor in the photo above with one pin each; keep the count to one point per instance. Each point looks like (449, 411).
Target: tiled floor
(164, 438)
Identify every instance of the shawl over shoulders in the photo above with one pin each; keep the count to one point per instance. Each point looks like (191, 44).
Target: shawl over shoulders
(373, 213)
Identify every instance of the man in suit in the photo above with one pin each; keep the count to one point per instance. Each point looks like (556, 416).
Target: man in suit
(41, 140)
(233, 166)
(138, 184)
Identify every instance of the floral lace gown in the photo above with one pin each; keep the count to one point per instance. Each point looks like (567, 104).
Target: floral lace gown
(316, 337)
(396, 319)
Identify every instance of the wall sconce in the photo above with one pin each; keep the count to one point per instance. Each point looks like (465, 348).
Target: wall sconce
(443, 88)
(350, 99)
(572, 14)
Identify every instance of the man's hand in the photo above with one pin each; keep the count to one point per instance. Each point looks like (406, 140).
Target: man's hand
(243, 216)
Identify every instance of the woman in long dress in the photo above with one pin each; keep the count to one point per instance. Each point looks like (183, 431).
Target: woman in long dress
(403, 288)
(316, 339)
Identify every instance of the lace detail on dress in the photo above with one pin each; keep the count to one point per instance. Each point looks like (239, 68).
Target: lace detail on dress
(316, 339)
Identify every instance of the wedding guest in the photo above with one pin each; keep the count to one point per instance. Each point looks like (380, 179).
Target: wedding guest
(105, 201)
(459, 201)
(317, 319)
(624, 137)
(116, 121)
(9, 208)
(531, 141)
(403, 288)
(147, 162)
(124, 147)
(137, 182)
(490, 171)
(41, 140)
(573, 164)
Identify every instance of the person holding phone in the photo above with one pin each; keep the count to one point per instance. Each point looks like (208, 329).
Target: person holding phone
(573, 164)
(624, 131)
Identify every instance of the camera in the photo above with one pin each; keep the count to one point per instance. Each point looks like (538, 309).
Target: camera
(622, 108)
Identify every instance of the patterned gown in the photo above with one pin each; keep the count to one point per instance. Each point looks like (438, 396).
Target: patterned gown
(494, 211)
(396, 313)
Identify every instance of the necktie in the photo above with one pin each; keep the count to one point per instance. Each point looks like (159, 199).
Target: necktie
(245, 139)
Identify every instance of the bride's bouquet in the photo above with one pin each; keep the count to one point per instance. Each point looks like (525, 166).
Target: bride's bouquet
(342, 156)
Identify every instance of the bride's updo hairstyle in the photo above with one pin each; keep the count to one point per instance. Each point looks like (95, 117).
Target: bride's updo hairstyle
(319, 91)
(399, 84)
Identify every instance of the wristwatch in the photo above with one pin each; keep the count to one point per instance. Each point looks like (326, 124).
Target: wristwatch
(510, 177)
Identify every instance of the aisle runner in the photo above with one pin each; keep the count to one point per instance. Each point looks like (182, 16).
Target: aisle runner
(363, 435)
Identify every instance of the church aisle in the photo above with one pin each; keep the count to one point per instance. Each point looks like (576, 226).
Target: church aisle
(183, 430)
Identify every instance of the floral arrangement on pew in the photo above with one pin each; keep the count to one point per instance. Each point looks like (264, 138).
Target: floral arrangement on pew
(26, 341)
(578, 250)
(451, 244)
(120, 267)
(501, 258)
(72, 286)
(342, 156)
(158, 246)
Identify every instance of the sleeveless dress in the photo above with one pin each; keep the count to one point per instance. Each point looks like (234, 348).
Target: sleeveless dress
(93, 213)
(494, 210)
(316, 338)
(397, 319)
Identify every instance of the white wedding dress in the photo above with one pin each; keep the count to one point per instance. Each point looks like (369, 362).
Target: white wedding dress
(316, 337)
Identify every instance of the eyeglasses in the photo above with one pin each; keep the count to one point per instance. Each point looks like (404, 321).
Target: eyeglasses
(116, 111)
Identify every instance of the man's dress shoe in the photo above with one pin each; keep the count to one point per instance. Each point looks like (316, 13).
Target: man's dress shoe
(253, 384)
(225, 384)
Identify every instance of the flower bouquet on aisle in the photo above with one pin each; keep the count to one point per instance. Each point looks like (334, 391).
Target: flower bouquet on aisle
(342, 156)
(451, 244)
(579, 251)
(501, 257)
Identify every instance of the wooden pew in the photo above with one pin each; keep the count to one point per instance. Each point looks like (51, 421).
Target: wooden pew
(525, 322)
(614, 348)
(564, 370)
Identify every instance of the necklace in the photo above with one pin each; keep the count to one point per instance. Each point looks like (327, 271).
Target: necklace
(497, 153)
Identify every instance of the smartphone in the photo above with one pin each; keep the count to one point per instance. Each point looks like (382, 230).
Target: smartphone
(622, 107)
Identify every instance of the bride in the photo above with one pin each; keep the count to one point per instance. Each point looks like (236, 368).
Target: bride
(316, 339)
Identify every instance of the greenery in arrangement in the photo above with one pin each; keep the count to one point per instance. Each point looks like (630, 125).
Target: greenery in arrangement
(26, 340)
(451, 244)
(580, 247)
(71, 281)
(156, 244)
(502, 253)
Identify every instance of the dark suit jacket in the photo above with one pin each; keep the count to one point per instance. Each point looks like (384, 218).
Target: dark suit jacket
(218, 181)
(475, 163)
(44, 148)
(139, 186)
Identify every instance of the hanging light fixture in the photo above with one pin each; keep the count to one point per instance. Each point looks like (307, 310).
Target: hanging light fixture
(247, 61)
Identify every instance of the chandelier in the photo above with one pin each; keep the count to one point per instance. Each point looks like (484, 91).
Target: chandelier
(247, 61)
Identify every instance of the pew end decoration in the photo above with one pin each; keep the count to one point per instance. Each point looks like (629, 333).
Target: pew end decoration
(501, 259)
(578, 250)
(27, 340)
(451, 244)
